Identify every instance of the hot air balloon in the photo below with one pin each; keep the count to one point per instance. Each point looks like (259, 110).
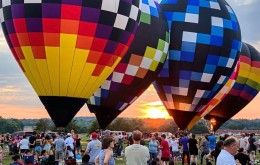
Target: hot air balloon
(243, 91)
(205, 39)
(68, 48)
(138, 68)
(240, 75)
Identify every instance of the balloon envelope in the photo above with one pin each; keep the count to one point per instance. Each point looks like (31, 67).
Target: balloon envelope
(239, 75)
(137, 70)
(67, 49)
(243, 91)
(205, 39)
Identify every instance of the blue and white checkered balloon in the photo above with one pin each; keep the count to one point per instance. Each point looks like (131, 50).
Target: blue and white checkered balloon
(205, 39)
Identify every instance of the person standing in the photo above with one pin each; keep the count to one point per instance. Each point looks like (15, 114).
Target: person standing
(252, 141)
(105, 156)
(212, 142)
(153, 148)
(137, 154)
(69, 141)
(59, 144)
(204, 149)
(77, 141)
(226, 156)
(243, 142)
(93, 148)
(174, 144)
(193, 149)
(24, 145)
(119, 144)
(32, 140)
(219, 147)
(47, 143)
(184, 142)
(165, 150)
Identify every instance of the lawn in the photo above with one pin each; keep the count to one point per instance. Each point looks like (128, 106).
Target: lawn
(119, 161)
(7, 160)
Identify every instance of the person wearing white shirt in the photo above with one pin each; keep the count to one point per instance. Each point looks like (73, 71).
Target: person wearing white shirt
(243, 142)
(24, 144)
(226, 156)
(137, 154)
(175, 147)
(69, 141)
(246, 139)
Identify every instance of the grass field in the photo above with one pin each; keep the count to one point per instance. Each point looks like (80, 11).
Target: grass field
(120, 161)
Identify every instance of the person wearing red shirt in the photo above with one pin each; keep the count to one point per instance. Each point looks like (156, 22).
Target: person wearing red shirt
(165, 150)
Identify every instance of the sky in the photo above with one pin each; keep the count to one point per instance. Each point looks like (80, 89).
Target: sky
(18, 99)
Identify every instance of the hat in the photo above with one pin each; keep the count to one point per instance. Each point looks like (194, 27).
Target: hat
(94, 135)
(69, 134)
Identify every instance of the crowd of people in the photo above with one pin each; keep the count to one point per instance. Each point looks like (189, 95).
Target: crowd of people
(210, 149)
(103, 148)
(43, 149)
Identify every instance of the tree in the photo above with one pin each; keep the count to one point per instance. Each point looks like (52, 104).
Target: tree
(93, 126)
(170, 127)
(200, 128)
(73, 125)
(10, 125)
(44, 125)
(128, 125)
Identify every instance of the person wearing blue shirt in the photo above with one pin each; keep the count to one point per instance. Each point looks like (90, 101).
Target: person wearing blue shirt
(105, 157)
(212, 142)
(93, 148)
(184, 142)
(153, 148)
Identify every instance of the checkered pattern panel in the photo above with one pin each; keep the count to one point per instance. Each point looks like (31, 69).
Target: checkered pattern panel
(243, 91)
(79, 39)
(222, 93)
(139, 67)
(205, 41)
(239, 76)
(148, 9)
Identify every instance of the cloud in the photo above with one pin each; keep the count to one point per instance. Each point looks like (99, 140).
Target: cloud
(247, 12)
(3, 45)
(9, 89)
(154, 104)
(16, 90)
(256, 44)
(243, 2)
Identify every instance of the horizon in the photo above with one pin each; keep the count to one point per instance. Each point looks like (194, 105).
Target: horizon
(146, 118)
(18, 99)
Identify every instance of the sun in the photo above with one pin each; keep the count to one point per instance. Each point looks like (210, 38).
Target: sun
(155, 113)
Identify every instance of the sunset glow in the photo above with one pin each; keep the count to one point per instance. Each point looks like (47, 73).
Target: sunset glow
(18, 98)
(155, 113)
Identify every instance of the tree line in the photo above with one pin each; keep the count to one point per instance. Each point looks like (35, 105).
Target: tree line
(89, 124)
